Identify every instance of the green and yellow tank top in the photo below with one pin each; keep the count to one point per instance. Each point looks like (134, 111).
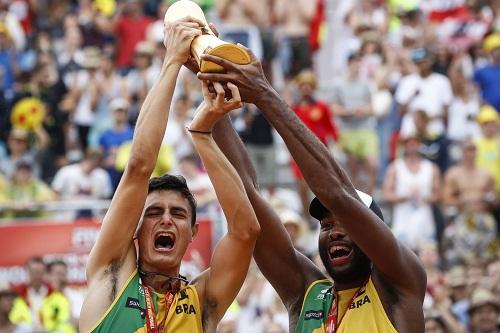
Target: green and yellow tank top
(365, 314)
(127, 313)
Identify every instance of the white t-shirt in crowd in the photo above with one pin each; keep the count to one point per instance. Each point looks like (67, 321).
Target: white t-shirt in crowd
(72, 183)
(434, 95)
(462, 120)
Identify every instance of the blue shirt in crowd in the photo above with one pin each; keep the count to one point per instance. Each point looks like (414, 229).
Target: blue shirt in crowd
(113, 139)
(488, 79)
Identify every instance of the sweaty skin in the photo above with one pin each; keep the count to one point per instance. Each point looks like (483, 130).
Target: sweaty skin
(135, 213)
(398, 276)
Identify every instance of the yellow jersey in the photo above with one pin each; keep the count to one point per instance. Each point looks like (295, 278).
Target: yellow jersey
(365, 314)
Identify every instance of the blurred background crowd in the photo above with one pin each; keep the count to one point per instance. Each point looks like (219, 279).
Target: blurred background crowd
(405, 93)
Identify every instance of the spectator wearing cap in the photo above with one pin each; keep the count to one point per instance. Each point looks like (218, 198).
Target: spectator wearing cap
(488, 146)
(484, 312)
(352, 106)
(114, 137)
(411, 185)
(317, 116)
(25, 192)
(18, 147)
(295, 227)
(488, 77)
(7, 297)
(459, 292)
(426, 91)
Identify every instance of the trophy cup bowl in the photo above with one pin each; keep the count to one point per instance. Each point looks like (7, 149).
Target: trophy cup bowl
(207, 43)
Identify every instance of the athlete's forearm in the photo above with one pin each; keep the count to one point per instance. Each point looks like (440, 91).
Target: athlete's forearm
(320, 170)
(231, 145)
(153, 116)
(229, 188)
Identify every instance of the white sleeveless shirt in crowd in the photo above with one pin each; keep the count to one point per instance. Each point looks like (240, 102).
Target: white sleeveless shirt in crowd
(413, 221)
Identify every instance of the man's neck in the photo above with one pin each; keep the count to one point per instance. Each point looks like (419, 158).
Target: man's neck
(120, 127)
(160, 282)
(340, 286)
(425, 74)
(159, 285)
(469, 166)
(36, 288)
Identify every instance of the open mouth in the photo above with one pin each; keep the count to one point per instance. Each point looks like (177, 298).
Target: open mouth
(164, 241)
(341, 254)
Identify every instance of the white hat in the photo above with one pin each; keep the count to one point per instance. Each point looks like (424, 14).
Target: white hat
(119, 103)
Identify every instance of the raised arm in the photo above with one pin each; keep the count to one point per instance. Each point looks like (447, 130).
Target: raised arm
(326, 178)
(220, 284)
(115, 241)
(287, 270)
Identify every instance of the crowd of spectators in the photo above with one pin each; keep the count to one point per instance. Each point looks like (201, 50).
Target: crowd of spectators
(405, 93)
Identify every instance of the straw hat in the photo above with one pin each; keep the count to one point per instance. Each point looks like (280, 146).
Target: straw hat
(91, 57)
(457, 278)
(145, 47)
(307, 76)
(289, 217)
(480, 298)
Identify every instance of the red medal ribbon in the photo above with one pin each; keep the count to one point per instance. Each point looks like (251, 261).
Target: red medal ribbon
(151, 324)
(333, 322)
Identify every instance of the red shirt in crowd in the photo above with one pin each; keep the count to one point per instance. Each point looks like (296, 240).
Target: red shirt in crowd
(317, 117)
(130, 31)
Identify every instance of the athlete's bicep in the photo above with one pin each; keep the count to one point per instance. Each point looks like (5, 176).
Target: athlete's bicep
(228, 269)
(120, 223)
(288, 271)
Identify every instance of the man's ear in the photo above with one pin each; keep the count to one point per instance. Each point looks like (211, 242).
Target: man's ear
(194, 230)
(139, 225)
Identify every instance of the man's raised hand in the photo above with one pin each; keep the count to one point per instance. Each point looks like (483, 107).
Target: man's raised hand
(178, 37)
(215, 106)
(249, 79)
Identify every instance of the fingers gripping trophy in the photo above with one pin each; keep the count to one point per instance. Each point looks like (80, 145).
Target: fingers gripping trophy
(208, 42)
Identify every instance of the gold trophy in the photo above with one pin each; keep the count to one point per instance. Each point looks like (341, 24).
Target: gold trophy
(207, 43)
